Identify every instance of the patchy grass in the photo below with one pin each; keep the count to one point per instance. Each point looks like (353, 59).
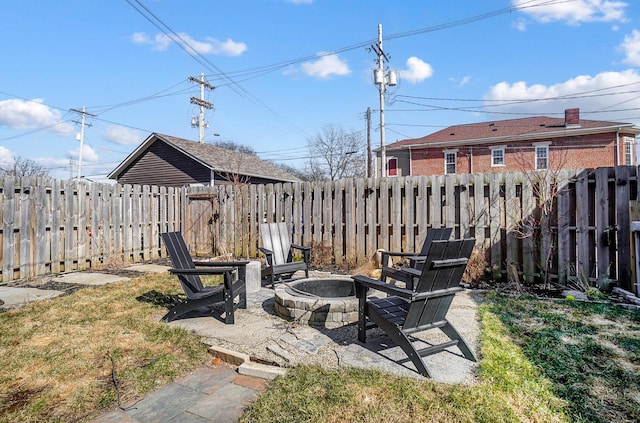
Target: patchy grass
(541, 361)
(59, 357)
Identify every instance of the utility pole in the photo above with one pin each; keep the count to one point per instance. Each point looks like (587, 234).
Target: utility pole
(382, 79)
(80, 136)
(199, 122)
(368, 117)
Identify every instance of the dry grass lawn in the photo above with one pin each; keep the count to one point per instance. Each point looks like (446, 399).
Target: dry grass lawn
(66, 358)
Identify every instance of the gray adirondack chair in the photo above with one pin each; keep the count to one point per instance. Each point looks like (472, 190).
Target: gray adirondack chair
(405, 312)
(409, 274)
(278, 250)
(198, 295)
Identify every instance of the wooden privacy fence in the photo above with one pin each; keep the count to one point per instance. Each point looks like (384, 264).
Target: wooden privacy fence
(53, 226)
(50, 226)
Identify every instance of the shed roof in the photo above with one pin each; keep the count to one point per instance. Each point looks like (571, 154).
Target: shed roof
(215, 158)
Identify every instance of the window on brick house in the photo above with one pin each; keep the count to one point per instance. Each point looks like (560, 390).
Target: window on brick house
(392, 167)
(497, 156)
(450, 162)
(542, 157)
(628, 150)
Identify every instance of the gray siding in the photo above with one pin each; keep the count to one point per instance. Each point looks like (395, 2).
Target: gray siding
(163, 165)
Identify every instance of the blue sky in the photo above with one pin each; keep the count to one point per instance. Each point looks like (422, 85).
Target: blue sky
(283, 69)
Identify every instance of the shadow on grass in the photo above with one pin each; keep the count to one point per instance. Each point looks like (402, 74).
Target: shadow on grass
(159, 299)
(590, 352)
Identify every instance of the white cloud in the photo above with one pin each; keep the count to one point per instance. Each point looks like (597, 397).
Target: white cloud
(589, 93)
(33, 114)
(631, 48)
(213, 46)
(122, 136)
(326, 66)
(520, 24)
(88, 154)
(417, 70)
(573, 12)
(6, 156)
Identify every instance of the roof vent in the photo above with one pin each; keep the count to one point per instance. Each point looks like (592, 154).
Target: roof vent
(494, 129)
(452, 134)
(492, 124)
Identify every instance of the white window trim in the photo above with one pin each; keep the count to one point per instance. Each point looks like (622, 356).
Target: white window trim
(455, 162)
(504, 159)
(629, 142)
(537, 145)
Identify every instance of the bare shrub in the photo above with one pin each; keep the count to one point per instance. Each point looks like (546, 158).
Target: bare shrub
(320, 255)
(476, 268)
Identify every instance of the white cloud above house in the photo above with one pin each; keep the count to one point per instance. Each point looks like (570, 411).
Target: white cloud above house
(6, 156)
(326, 66)
(88, 153)
(417, 70)
(631, 48)
(210, 46)
(573, 12)
(33, 114)
(122, 136)
(590, 93)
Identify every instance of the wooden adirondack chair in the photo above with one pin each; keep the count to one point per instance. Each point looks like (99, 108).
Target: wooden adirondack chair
(277, 248)
(405, 312)
(411, 273)
(189, 272)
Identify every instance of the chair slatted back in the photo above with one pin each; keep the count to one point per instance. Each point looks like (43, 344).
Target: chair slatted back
(276, 237)
(433, 234)
(442, 272)
(181, 259)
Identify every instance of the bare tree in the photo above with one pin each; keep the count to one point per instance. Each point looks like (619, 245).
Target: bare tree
(336, 154)
(22, 167)
(233, 146)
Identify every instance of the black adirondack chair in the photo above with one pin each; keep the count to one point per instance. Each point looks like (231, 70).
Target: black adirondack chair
(412, 272)
(197, 295)
(405, 312)
(278, 249)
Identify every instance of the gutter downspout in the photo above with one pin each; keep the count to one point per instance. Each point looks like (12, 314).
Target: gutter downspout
(410, 161)
(470, 159)
(617, 147)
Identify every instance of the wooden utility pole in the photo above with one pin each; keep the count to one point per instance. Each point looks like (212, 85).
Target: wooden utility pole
(368, 117)
(203, 105)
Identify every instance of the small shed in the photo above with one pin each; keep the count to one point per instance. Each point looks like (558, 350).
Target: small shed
(170, 161)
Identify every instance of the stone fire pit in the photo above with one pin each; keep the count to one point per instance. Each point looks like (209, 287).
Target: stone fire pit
(329, 302)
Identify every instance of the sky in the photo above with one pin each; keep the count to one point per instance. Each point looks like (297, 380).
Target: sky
(285, 69)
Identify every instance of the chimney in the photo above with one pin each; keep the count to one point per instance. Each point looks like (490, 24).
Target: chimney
(572, 118)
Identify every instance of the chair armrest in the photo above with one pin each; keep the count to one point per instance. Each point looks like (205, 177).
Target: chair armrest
(212, 271)
(382, 286)
(268, 254)
(398, 253)
(241, 265)
(300, 247)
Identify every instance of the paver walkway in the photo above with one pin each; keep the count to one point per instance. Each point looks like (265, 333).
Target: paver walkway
(211, 394)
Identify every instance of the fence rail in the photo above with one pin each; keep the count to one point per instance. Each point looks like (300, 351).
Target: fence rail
(51, 226)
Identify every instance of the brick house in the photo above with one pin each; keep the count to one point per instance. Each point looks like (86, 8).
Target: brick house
(516, 145)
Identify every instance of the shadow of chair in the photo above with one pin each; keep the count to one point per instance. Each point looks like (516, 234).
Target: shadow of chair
(198, 295)
(405, 312)
(412, 272)
(278, 250)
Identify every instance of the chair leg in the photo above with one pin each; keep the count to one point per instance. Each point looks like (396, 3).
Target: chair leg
(183, 307)
(453, 334)
(228, 308)
(404, 342)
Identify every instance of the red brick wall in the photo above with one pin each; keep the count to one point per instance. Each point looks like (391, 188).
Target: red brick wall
(590, 151)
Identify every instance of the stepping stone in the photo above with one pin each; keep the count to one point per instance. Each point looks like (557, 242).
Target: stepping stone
(89, 279)
(12, 296)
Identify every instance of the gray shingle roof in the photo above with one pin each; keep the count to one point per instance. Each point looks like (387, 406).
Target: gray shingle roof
(221, 159)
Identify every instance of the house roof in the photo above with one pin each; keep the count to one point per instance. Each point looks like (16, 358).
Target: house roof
(500, 131)
(217, 159)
